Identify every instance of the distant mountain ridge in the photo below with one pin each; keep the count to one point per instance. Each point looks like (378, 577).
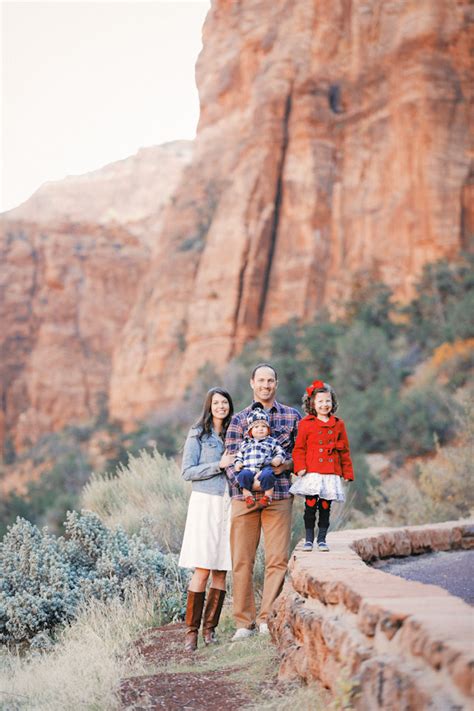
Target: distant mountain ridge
(126, 191)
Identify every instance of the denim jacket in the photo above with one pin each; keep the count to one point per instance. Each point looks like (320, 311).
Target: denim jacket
(200, 463)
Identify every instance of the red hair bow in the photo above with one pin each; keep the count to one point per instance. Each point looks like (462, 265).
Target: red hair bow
(314, 385)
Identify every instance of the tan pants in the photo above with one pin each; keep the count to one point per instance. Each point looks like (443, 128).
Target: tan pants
(246, 526)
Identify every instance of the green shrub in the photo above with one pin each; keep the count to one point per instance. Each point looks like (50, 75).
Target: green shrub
(319, 346)
(442, 308)
(47, 499)
(364, 485)
(426, 415)
(44, 580)
(149, 494)
(364, 359)
(371, 418)
(371, 304)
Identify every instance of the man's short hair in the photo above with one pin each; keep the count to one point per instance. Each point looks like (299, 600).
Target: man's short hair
(263, 365)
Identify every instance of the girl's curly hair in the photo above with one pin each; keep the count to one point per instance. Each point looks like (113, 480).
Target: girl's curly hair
(308, 400)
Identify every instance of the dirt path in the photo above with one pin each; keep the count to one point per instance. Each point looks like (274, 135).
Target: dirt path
(188, 691)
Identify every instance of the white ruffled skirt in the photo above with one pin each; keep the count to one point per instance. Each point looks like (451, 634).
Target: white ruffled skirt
(326, 486)
(206, 540)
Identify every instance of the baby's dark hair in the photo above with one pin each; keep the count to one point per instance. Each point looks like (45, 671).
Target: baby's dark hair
(308, 400)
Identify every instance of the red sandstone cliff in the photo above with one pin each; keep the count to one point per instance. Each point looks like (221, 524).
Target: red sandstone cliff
(69, 275)
(333, 138)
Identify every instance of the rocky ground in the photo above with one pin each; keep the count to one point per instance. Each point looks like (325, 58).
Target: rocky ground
(210, 690)
(229, 676)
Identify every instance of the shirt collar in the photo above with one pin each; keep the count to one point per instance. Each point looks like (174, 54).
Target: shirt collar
(276, 407)
(330, 423)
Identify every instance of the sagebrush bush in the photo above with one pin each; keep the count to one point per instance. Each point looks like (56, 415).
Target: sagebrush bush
(441, 490)
(148, 495)
(87, 663)
(44, 580)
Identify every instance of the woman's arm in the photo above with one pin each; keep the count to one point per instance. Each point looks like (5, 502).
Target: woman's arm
(192, 469)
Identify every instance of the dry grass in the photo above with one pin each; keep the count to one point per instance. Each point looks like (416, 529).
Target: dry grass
(85, 667)
(148, 494)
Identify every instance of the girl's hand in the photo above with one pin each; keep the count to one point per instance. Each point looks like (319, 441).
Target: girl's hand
(301, 472)
(226, 460)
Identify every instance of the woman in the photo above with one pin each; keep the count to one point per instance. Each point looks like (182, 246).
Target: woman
(206, 544)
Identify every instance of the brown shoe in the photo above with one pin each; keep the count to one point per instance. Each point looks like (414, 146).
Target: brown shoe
(212, 613)
(265, 501)
(193, 616)
(250, 502)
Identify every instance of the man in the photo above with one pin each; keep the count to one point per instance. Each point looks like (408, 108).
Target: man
(274, 520)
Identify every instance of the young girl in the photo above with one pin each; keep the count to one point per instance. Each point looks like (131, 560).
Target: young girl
(321, 458)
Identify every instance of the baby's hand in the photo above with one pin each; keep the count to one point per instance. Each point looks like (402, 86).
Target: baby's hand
(276, 461)
(238, 466)
(301, 472)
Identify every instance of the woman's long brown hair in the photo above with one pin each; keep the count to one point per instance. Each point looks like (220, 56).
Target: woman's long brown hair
(205, 419)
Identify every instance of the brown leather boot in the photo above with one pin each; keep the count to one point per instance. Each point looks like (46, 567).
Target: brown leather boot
(212, 613)
(193, 616)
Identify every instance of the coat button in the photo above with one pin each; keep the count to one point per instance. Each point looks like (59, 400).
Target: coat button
(320, 431)
(320, 450)
(329, 431)
(321, 459)
(320, 441)
(330, 459)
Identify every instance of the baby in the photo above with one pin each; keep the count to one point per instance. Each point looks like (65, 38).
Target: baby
(256, 456)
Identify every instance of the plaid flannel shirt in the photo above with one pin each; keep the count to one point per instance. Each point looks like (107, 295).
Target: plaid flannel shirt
(284, 426)
(255, 453)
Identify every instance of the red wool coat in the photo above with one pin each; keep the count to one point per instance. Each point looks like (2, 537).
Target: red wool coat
(323, 447)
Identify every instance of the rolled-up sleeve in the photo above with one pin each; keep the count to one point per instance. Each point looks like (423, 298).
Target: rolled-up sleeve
(191, 468)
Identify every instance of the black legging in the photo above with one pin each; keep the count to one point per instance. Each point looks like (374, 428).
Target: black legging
(311, 504)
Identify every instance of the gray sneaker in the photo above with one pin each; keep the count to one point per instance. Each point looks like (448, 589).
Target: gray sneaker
(308, 546)
(242, 633)
(323, 546)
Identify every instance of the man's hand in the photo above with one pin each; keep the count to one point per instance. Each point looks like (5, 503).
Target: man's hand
(276, 461)
(226, 460)
(301, 472)
(238, 466)
(283, 467)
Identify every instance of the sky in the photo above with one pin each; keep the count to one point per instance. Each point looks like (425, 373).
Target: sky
(87, 83)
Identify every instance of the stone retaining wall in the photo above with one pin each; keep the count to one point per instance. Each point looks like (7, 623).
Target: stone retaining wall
(405, 645)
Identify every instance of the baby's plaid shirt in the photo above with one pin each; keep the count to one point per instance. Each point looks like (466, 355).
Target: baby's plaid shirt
(283, 425)
(255, 453)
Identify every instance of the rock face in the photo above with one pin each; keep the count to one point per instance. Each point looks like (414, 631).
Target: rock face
(402, 644)
(70, 288)
(67, 288)
(333, 141)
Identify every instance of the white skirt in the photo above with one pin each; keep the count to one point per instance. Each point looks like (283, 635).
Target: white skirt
(326, 486)
(206, 540)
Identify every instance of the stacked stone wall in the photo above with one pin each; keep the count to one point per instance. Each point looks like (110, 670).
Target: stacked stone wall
(403, 644)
